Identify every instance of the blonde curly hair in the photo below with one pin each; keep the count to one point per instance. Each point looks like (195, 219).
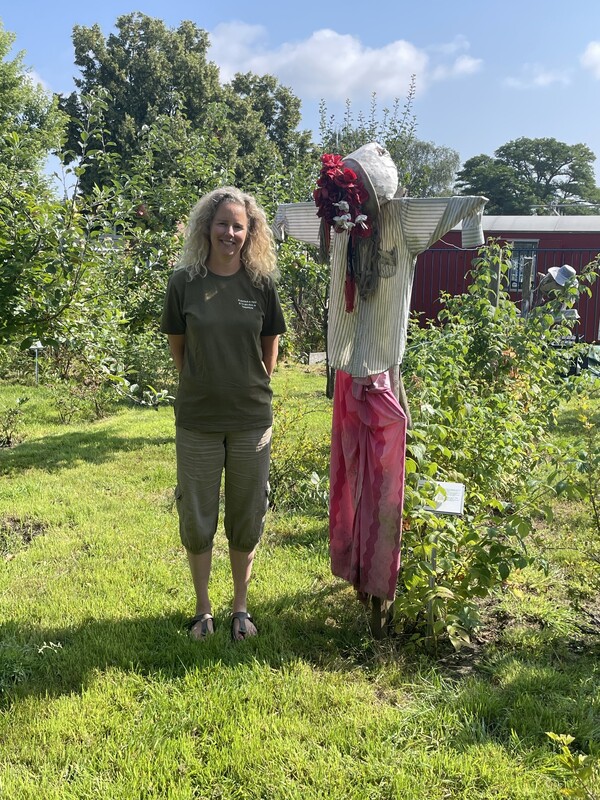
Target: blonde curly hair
(258, 252)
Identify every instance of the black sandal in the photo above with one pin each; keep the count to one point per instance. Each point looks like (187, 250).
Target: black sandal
(242, 617)
(203, 619)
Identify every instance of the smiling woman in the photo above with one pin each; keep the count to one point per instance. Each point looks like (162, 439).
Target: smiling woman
(227, 236)
(223, 319)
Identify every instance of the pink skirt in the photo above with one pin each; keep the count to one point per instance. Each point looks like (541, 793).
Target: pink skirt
(368, 445)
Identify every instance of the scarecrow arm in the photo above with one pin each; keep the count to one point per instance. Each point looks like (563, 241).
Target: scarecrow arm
(298, 220)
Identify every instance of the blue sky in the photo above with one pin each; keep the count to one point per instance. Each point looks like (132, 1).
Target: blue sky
(486, 72)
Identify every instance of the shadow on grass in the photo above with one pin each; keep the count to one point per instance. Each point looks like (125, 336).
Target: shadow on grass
(309, 534)
(63, 451)
(569, 422)
(325, 628)
(514, 692)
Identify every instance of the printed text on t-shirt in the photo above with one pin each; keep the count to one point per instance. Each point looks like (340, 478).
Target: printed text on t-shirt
(249, 304)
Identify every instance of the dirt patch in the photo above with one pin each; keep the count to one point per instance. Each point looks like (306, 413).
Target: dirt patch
(16, 533)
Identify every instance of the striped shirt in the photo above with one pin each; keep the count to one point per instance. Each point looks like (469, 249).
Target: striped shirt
(372, 338)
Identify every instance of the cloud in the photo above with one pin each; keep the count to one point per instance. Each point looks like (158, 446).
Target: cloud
(463, 65)
(32, 76)
(337, 66)
(233, 46)
(590, 59)
(535, 76)
(459, 44)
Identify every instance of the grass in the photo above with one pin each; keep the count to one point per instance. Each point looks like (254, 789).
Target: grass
(102, 694)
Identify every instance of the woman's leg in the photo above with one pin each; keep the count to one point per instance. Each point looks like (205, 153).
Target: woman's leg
(200, 459)
(246, 501)
(241, 571)
(200, 564)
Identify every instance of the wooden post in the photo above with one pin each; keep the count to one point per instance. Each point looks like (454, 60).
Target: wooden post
(400, 392)
(380, 611)
(430, 616)
(494, 293)
(526, 286)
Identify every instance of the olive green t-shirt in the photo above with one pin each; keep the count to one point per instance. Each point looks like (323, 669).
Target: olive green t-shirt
(223, 384)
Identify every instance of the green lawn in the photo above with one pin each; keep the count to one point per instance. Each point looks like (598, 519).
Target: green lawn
(102, 694)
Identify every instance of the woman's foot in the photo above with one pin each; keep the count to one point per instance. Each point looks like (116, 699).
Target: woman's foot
(201, 626)
(242, 626)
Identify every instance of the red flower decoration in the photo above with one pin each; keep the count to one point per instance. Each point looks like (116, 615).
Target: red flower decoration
(339, 197)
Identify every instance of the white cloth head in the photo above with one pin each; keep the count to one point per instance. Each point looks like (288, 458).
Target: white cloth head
(374, 166)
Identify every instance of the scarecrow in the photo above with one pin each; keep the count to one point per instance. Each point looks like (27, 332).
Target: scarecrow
(557, 284)
(371, 235)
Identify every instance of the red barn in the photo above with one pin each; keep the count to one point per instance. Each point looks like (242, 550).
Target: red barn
(550, 241)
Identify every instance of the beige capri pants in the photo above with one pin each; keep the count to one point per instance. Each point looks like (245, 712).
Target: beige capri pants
(201, 458)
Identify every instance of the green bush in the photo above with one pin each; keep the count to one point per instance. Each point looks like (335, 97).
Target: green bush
(483, 387)
(299, 474)
(10, 423)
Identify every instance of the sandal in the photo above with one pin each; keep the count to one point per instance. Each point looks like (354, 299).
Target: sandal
(242, 617)
(203, 619)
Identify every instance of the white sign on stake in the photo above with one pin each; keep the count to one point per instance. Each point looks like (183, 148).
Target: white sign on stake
(450, 500)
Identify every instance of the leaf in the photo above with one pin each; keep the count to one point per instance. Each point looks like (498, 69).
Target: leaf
(444, 592)
(410, 466)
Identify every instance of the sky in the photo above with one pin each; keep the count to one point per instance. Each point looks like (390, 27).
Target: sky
(486, 72)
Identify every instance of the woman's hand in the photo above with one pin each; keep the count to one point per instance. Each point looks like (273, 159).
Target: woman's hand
(270, 349)
(177, 347)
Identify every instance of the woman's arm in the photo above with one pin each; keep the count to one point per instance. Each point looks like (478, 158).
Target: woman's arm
(177, 347)
(270, 348)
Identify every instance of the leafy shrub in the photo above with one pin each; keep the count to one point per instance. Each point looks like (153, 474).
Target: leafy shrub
(85, 390)
(483, 387)
(299, 474)
(16, 364)
(581, 480)
(303, 289)
(10, 422)
(581, 770)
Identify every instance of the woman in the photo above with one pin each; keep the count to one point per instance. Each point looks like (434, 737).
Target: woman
(223, 319)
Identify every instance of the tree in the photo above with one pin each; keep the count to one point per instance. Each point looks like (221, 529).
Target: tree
(278, 110)
(429, 169)
(424, 168)
(148, 71)
(30, 124)
(30, 127)
(151, 72)
(533, 176)
(394, 128)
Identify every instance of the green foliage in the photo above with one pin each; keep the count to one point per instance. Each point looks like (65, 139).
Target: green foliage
(160, 80)
(86, 275)
(299, 476)
(533, 175)
(581, 770)
(582, 461)
(303, 289)
(279, 112)
(30, 124)
(149, 70)
(429, 169)
(16, 365)
(425, 169)
(483, 389)
(393, 128)
(11, 420)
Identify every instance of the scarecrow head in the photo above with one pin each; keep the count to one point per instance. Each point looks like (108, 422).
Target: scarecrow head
(349, 195)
